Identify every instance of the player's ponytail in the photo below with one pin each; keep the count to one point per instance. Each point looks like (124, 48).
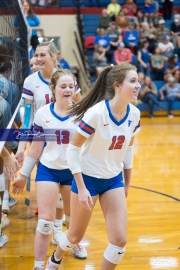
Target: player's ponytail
(103, 88)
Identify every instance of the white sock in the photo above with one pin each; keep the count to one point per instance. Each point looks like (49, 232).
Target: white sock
(58, 223)
(39, 263)
(6, 194)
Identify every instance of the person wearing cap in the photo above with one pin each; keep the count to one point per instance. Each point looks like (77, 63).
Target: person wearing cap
(122, 54)
(162, 30)
(175, 31)
(113, 9)
(166, 46)
(172, 89)
(114, 34)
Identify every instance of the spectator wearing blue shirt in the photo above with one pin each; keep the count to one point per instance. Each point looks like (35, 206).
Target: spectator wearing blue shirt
(105, 42)
(131, 38)
(32, 20)
(144, 59)
(148, 10)
(63, 63)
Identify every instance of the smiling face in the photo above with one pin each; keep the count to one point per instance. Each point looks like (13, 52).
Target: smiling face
(64, 89)
(33, 65)
(44, 59)
(130, 86)
(26, 7)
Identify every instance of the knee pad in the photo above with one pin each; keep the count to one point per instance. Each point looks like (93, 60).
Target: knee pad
(67, 218)
(60, 202)
(64, 242)
(2, 182)
(45, 227)
(114, 254)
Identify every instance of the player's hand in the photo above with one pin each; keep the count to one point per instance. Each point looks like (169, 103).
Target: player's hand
(20, 157)
(19, 184)
(11, 166)
(85, 199)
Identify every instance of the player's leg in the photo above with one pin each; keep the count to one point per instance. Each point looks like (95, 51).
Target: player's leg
(79, 220)
(113, 204)
(47, 194)
(57, 229)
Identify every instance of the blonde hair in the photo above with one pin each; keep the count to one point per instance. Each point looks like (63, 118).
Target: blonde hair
(55, 77)
(51, 49)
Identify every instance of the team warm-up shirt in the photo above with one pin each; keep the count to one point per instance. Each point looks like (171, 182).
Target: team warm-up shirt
(103, 152)
(37, 89)
(61, 128)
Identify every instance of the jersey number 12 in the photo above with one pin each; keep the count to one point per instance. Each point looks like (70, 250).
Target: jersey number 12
(117, 142)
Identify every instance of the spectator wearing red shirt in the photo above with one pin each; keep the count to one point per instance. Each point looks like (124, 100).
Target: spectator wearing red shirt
(122, 54)
(130, 10)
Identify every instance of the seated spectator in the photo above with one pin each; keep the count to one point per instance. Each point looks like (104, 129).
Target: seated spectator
(114, 35)
(140, 16)
(161, 31)
(144, 58)
(122, 54)
(99, 59)
(148, 10)
(122, 20)
(63, 63)
(130, 10)
(175, 31)
(172, 67)
(131, 38)
(104, 41)
(141, 78)
(104, 20)
(156, 5)
(166, 47)
(147, 33)
(157, 62)
(148, 94)
(172, 90)
(113, 9)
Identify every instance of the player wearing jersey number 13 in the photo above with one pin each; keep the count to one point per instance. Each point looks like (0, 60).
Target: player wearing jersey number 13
(53, 167)
(103, 140)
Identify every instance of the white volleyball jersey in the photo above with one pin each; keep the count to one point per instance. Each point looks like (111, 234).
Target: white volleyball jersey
(47, 122)
(103, 152)
(37, 89)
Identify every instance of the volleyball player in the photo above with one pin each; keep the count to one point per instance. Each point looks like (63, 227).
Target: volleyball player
(52, 169)
(37, 93)
(105, 137)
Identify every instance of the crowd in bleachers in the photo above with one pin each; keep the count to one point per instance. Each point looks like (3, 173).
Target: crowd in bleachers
(126, 33)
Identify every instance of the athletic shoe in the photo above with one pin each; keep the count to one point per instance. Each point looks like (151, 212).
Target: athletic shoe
(56, 233)
(170, 116)
(5, 206)
(3, 240)
(4, 221)
(12, 201)
(79, 252)
(52, 266)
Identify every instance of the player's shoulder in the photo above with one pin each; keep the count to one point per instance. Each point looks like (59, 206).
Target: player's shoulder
(134, 111)
(98, 108)
(31, 77)
(44, 109)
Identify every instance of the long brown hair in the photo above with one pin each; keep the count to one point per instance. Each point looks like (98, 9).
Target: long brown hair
(104, 87)
(30, 12)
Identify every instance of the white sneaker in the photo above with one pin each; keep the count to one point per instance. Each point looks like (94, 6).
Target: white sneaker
(52, 266)
(56, 233)
(4, 221)
(3, 240)
(5, 206)
(170, 116)
(12, 201)
(79, 252)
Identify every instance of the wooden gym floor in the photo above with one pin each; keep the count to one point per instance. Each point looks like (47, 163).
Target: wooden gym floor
(153, 211)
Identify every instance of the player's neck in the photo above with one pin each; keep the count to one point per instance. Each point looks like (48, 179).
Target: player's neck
(61, 108)
(118, 108)
(47, 73)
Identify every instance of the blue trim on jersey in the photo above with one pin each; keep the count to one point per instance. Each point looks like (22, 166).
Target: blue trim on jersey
(27, 92)
(41, 78)
(86, 128)
(112, 117)
(57, 116)
(37, 128)
(136, 127)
